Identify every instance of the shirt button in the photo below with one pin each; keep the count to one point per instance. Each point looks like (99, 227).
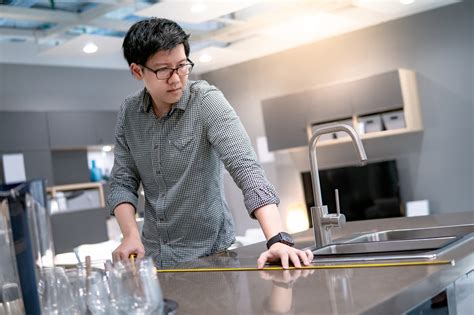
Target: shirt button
(156, 146)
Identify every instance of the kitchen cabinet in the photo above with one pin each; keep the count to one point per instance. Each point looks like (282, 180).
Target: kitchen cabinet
(381, 95)
(73, 228)
(377, 93)
(63, 172)
(37, 134)
(73, 130)
(390, 93)
(23, 131)
(285, 120)
(38, 164)
(330, 103)
(105, 126)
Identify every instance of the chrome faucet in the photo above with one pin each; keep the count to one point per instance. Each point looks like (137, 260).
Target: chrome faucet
(322, 220)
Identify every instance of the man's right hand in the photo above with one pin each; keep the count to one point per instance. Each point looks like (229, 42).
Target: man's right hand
(129, 246)
(131, 242)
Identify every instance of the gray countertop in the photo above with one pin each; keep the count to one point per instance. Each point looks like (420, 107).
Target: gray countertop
(384, 290)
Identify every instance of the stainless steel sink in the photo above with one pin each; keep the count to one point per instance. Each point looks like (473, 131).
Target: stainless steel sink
(421, 243)
(385, 246)
(412, 234)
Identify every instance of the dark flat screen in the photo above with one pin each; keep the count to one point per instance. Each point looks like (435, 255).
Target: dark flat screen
(365, 192)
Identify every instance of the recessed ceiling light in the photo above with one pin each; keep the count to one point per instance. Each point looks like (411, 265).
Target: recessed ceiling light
(205, 58)
(407, 1)
(90, 48)
(106, 148)
(198, 7)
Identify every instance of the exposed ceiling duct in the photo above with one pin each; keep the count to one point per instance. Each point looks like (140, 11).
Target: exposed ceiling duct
(230, 31)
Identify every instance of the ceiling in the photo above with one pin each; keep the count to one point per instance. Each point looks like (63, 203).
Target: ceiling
(228, 32)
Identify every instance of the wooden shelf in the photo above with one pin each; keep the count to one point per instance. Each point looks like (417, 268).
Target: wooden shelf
(411, 111)
(81, 186)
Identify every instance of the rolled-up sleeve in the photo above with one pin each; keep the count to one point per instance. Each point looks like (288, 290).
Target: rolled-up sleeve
(231, 142)
(124, 179)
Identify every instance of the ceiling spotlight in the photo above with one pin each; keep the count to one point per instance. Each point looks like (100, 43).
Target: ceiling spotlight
(205, 58)
(407, 1)
(90, 48)
(198, 7)
(106, 148)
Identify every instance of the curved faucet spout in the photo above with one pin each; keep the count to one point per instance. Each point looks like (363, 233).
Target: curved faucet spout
(312, 153)
(322, 219)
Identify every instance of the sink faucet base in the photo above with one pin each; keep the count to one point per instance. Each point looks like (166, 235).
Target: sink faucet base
(322, 235)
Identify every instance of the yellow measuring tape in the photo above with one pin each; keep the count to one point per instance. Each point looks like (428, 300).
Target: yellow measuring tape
(361, 265)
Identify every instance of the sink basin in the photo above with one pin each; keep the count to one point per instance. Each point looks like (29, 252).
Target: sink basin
(412, 234)
(420, 243)
(385, 246)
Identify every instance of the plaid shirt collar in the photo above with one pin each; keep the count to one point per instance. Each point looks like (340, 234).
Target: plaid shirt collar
(146, 103)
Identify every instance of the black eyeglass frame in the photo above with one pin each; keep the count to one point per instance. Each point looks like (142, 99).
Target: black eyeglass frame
(190, 63)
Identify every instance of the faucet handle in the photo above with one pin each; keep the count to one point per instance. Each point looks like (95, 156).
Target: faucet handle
(338, 208)
(340, 218)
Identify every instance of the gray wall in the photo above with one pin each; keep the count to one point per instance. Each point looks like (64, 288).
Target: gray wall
(46, 88)
(437, 44)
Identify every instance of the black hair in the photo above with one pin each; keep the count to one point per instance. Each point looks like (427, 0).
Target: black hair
(147, 37)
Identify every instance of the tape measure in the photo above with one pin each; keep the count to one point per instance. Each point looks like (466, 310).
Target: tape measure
(338, 266)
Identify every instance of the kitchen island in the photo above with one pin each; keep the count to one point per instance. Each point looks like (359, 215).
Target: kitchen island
(376, 290)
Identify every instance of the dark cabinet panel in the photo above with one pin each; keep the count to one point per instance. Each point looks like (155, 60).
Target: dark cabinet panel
(105, 127)
(330, 103)
(68, 228)
(23, 131)
(38, 165)
(70, 167)
(285, 121)
(2, 176)
(377, 93)
(69, 130)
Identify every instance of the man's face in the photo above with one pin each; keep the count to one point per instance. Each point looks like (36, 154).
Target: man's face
(167, 91)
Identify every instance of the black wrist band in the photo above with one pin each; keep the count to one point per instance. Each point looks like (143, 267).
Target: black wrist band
(281, 237)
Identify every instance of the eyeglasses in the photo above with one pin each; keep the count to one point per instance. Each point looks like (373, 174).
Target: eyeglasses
(166, 73)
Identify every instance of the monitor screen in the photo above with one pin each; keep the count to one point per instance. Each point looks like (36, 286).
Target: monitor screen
(365, 192)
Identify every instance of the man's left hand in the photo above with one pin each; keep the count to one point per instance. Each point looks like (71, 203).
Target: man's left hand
(285, 254)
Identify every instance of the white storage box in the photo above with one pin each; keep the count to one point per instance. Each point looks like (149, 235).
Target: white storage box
(342, 134)
(372, 123)
(394, 120)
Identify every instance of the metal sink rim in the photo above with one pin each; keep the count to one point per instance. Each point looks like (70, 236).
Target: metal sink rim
(417, 255)
(423, 232)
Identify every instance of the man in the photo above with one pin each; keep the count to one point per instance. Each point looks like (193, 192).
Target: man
(172, 137)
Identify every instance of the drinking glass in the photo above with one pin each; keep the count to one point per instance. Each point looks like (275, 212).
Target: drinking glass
(135, 288)
(11, 297)
(98, 300)
(55, 292)
(77, 279)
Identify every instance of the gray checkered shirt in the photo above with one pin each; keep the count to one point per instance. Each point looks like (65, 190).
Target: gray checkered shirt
(178, 159)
